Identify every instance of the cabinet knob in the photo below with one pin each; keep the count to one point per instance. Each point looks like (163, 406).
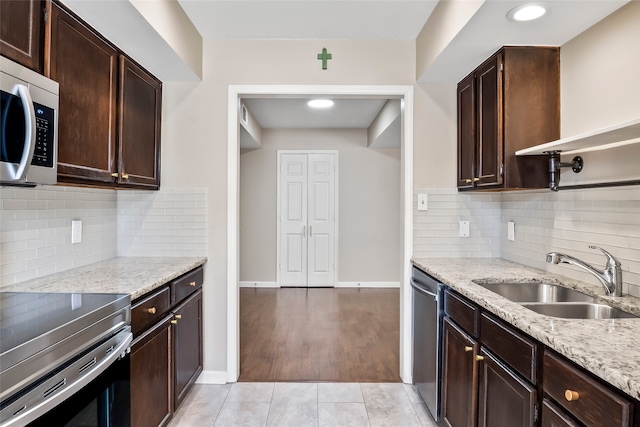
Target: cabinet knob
(115, 174)
(468, 181)
(571, 395)
(178, 316)
(151, 310)
(476, 179)
(468, 348)
(174, 322)
(125, 175)
(479, 358)
(192, 283)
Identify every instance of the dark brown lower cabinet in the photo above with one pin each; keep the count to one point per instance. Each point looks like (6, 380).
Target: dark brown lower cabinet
(504, 398)
(552, 416)
(151, 397)
(459, 377)
(187, 345)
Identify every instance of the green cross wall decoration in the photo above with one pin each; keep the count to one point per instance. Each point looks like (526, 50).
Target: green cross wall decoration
(324, 56)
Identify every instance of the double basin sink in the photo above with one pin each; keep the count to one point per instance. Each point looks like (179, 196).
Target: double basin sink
(555, 301)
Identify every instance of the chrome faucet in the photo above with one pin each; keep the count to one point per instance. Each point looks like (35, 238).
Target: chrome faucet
(610, 277)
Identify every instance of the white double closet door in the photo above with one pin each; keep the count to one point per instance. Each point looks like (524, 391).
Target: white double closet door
(307, 218)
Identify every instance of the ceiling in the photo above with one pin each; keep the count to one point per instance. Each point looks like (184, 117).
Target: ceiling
(468, 43)
(486, 31)
(308, 19)
(294, 113)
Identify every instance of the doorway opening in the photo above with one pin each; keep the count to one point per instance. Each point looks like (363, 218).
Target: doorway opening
(236, 93)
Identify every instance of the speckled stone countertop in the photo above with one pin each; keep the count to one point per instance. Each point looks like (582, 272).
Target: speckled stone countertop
(134, 276)
(607, 348)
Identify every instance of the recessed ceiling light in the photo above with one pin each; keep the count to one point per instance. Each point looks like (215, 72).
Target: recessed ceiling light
(528, 12)
(320, 103)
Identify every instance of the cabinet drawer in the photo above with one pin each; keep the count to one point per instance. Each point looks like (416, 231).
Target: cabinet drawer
(463, 312)
(185, 285)
(593, 404)
(552, 416)
(513, 347)
(149, 310)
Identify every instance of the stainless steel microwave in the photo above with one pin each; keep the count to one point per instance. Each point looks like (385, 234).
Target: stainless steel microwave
(29, 134)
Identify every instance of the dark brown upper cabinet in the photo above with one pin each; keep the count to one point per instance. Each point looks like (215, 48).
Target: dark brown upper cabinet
(510, 102)
(140, 110)
(86, 68)
(21, 32)
(109, 113)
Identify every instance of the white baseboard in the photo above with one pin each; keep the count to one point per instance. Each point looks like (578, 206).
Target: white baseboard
(257, 284)
(368, 285)
(212, 377)
(338, 285)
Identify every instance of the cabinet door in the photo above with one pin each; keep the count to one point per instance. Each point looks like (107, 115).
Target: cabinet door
(139, 131)
(21, 25)
(151, 376)
(459, 377)
(466, 131)
(187, 345)
(504, 398)
(552, 416)
(490, 136)
(85, 66)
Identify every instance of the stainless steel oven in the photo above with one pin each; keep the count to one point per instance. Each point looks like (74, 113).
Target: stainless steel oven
(64, 359)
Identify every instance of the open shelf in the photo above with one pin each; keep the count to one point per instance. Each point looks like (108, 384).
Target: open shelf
(627, 131)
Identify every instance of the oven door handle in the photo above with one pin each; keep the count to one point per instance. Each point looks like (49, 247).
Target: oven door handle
(66, 392)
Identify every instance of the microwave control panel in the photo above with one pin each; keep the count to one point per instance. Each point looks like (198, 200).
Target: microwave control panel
(44, 153)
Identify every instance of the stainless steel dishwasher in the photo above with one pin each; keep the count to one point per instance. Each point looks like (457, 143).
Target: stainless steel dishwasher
(426, 338)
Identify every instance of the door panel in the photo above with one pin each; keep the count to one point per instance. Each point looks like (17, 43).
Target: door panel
(293, 212)
(321, 219)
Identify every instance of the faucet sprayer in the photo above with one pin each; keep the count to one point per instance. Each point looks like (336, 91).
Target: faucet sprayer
(610, 277)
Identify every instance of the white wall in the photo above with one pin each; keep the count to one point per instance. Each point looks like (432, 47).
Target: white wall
(194, 150)
(369, 204)
(600, 87)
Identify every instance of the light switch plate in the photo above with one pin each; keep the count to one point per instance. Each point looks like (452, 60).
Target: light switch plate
(76, 231)
(511, 231)
(422, 202)
(464, 228)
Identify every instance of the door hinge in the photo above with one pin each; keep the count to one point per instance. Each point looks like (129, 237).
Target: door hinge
(535, 413)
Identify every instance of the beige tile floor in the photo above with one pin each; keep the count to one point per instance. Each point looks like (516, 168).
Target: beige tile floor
(303, 404)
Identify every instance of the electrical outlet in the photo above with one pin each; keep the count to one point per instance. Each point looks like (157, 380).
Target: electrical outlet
(464, 228)
(422, 202)
(511, 231)
(76, 231)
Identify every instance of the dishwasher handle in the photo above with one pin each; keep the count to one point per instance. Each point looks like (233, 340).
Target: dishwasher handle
(423, 291)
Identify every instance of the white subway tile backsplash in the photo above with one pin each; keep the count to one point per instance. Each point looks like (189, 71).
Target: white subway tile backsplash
(435, 232)
(35, 227)
(568, 221)
(578, 218)
(169, 222)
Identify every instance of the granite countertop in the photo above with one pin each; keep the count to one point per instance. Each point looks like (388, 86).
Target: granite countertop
(606, 348)
(135, 276)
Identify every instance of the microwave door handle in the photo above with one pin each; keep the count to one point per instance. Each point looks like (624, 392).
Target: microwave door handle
(30, 130)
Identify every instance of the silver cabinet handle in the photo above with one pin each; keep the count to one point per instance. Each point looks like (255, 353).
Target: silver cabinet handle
(310, 230)
(304, 231)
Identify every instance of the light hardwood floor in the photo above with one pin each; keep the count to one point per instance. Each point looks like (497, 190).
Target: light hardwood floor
(326, 334)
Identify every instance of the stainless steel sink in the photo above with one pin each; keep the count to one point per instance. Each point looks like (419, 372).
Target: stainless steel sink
(536, 292)
(579, 311)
